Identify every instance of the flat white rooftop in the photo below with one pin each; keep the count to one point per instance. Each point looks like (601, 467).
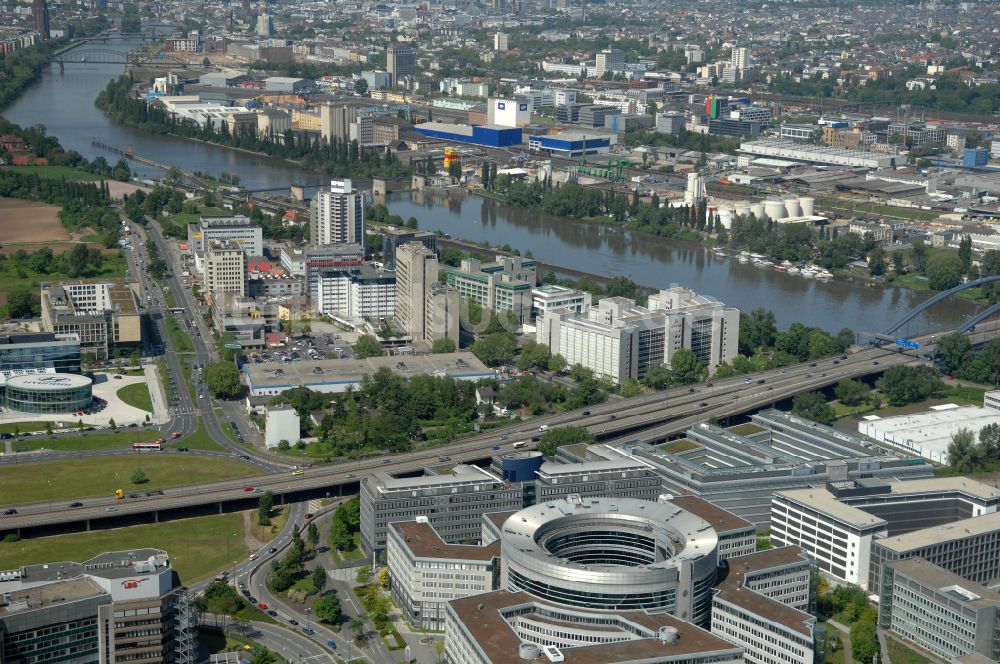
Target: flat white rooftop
(928, 434)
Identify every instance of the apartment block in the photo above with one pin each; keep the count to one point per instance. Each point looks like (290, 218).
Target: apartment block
(938, 611)
(552, 296)
(427, 572)
(237, 229)
(619, 340)
(311, 261)
(247, 319)
(102, 314)
(225, 268)
(337, 215)
(504, 285)
(356, 293)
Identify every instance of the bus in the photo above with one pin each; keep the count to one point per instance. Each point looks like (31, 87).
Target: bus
(519, 444)
(177, 310)
(148, 446)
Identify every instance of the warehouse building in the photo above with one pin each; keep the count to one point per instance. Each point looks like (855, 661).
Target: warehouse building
(491, 136)
(568, 144)
(333, 376)
(819, 155)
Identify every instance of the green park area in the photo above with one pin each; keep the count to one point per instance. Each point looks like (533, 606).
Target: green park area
(197, 546)
(137, 396)
(80, 478)
(102, 440)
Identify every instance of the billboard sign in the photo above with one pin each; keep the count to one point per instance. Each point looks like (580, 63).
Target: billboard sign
(906, 343)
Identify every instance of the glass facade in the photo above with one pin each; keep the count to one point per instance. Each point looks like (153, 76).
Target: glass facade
(48, 400)
(660, 600)
(35, 352)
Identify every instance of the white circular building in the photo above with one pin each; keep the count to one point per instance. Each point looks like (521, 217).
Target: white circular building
(612, 554)
(48, 393)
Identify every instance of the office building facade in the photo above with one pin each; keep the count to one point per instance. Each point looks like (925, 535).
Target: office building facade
(504, 285)
(38, 352)
(238, 230)
(610, 59)
(939, 611)
(225, 268)
(401, 62)
(337, 215)
(103, 315)
(356, 293)
(426, 572)
(426, 309)
(394, 238)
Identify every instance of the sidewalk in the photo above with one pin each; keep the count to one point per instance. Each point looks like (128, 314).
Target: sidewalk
(161, 414)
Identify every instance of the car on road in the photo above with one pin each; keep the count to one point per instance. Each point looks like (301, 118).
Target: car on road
(444, 457)
(875, 363)
(110, 509)
(293, 621)
(384, 462)
(10, 512)
(350, 475)
(298, 472)
(495, 448)
(76, 504)
(331, 644)
(253, 556)
(813, 364)
(272, 613)
(309, 516)
(308, 631)
(273, 549)
(262, 606)
(248, 488)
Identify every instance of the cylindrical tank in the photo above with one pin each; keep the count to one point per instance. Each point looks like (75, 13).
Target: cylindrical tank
(757, 210)
(792, 207)
(668, 634)
(774, 210)
(807, 203)
(529, 651)
(742, 209)
(725, 213)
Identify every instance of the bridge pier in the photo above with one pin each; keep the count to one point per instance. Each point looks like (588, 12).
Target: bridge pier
(220, 507)
(156, 516)
(87, 525)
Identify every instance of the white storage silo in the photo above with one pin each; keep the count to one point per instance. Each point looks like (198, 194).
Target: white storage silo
(774, 210)
(757, 210)
(808, 204)
(792, 207)
(742, 209)
(726, 213)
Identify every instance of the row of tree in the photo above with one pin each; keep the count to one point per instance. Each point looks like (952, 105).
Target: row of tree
(961, 360)
(967, 455)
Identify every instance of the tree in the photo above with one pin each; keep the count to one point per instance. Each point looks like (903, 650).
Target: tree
(553, 439)
(139, 477)
(965, 253)
(621, 287)
(902, 385)
(864, 640)
(919, 251)
(327, 609)
(898, 261)
(757, 330)
(657, 377)
(954, 350)
(368, 346)
(360, 86)
(557, 363)
(112, 424)
(820, 344)
(686, 368)
(174, 176)
(319, 577)
(357, 626)
(813, 406)
(843, 340)
(264, 507)
(222, 379)
(21, 302)
(312, 533)
(944, 271)
(851, 392)
(443, 345)
(876, 262)
(340, 536)
(534, 356)
(495, 349)
(989, 440)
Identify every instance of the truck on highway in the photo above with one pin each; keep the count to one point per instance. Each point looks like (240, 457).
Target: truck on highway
(119, 493)
(519, 444)
(175, 434)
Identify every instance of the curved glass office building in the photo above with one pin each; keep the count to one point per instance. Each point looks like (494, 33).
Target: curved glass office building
(613, 554)
(48, 393)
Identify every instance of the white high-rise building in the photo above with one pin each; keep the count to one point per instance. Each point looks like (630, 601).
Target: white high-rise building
(740, 58)
(501, 42)
(337, 215)
(610, 59)
(695, 192)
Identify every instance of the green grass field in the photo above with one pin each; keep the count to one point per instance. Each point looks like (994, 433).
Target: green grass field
(94, 441)
(137, 396)
(178, 337)
(200, 440)
(11, 427)
(56, 173)
(900, 654)
(80, 478)
(197, 546)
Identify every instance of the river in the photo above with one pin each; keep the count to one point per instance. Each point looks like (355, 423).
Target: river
(661, 262)
(63, 101)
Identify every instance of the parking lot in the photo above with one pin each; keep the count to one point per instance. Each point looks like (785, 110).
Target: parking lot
(301, 348)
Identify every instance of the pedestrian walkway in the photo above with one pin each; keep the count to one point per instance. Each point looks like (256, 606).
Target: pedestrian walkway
(161, 414)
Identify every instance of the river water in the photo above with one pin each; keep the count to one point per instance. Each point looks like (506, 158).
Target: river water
(63, 101)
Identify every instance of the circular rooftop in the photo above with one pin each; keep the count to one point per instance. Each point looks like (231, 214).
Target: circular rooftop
(48, 382)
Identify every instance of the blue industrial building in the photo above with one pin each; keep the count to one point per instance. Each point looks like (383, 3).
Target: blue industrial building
(492, 136)
(570, 144)
(975, 157)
